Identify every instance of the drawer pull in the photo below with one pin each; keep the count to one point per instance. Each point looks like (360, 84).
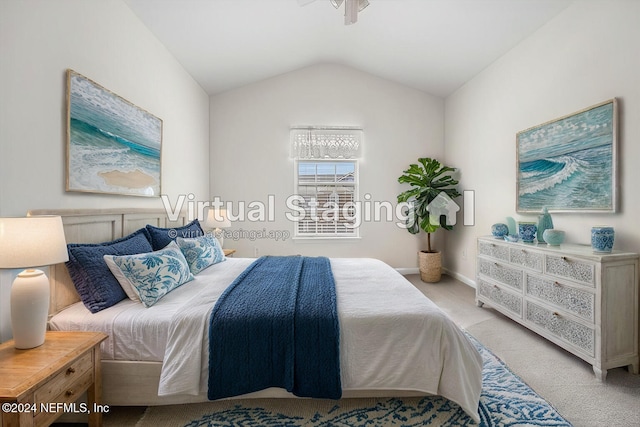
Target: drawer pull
(564, 258)
(496, 287)
(71, 370)
(556, 314)
(556, 283)
(69, 393)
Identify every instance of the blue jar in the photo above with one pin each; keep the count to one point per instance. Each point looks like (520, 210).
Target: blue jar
(602, 238)
(499, 230)
(527, 231)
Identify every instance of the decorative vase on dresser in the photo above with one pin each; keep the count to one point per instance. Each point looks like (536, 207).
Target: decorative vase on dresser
(545, 222)
(602, 238)
(585, 302)
(527, 231)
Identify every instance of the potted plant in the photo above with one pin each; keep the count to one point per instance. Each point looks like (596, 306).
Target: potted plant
(430, 201)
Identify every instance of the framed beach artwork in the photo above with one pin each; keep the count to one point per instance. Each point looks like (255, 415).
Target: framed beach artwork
(569, 164)
(112, 146)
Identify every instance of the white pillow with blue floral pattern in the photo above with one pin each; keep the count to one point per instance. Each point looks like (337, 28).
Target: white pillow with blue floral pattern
(201, 252)
(150, 276)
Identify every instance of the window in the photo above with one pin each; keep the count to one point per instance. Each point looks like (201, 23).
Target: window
(327, 191)
(326, 180)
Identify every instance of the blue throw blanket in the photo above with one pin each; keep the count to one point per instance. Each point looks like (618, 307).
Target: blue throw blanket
(277, 325)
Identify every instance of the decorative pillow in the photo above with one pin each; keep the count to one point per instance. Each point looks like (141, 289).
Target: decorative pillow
(152, 275)
(97, 287)
(201, 252)
(161, 237)
(126, 286)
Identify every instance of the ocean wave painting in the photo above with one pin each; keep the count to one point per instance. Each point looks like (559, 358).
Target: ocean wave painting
(569, 164)
(113, 146)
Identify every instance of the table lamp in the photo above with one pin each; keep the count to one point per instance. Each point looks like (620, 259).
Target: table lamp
(216, 220)
(26, 243)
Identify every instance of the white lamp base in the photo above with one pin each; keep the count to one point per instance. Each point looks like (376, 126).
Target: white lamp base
(219, 234)
(29, 308)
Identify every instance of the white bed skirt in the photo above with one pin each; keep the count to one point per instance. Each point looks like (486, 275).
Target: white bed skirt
(127, 383)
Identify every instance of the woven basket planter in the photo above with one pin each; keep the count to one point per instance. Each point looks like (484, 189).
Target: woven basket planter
(430, 266)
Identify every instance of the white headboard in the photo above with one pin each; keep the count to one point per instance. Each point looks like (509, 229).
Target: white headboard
(96, 226)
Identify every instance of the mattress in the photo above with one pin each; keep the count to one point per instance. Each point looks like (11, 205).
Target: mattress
(391, 336)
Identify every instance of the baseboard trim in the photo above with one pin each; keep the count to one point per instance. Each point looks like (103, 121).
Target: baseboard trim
(460, 277)
(408, 270)
(457, 276)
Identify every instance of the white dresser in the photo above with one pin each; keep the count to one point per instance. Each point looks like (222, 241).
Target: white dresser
(585, 302)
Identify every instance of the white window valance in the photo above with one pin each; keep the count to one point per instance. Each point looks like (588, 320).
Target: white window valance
(317, 142)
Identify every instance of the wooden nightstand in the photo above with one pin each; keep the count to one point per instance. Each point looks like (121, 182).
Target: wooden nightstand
(40, 384)
(229, 252)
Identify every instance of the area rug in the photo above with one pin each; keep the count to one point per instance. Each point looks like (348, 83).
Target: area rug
(505, 401)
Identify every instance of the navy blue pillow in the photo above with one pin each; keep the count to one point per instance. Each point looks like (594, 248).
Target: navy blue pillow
(97, 286)
(161, 237)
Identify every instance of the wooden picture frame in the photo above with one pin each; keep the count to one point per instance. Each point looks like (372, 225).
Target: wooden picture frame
(569, 164)
(113, 146)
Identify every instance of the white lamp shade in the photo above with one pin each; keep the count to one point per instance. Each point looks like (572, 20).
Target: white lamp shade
(32, 242)
(217, 218)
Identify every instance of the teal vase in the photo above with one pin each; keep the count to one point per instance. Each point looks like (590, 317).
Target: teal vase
(545, 222)
(511, 225)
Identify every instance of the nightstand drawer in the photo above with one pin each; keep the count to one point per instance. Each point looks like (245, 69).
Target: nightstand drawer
(69, 394)
(67, 381)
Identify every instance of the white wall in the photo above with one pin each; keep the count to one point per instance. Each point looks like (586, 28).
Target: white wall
(250, 151)
(104, 41)
(587, 54)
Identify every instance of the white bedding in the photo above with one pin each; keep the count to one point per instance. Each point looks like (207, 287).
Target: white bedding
(391, 336)
(136, 332)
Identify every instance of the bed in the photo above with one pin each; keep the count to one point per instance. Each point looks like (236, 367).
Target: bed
(394, 341)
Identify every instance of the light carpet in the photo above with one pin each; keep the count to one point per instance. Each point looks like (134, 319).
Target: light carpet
(505, 401)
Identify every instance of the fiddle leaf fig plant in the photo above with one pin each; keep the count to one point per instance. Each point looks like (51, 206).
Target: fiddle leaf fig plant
(429, 180)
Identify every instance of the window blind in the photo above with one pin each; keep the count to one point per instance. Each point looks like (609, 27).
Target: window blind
(328, 193)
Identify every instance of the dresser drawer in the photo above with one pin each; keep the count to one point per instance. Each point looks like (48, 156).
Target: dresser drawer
(570, 298)
(560, 326)
(494, 250)
(573, 269)
(501, 297)
(66, 381)
(526, 258)
(501, 273)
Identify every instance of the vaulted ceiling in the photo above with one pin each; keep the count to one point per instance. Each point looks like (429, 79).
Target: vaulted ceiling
(431, 45)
